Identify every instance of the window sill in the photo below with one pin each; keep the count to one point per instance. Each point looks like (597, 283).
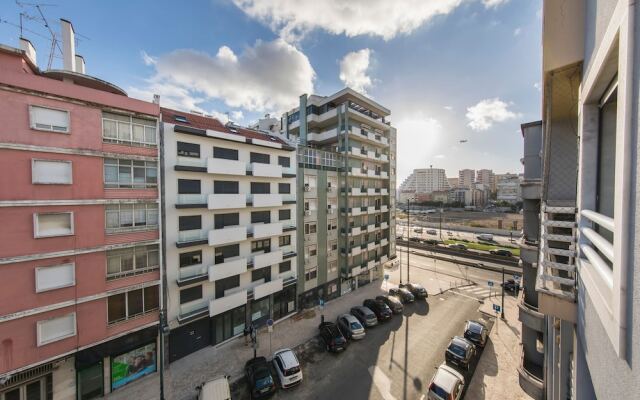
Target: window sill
(67, 132)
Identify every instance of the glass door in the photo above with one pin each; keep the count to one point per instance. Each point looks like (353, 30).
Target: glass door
(90, 382)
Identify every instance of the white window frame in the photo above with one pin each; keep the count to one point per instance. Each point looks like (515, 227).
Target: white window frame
(117, 140)
(36, 235)
(47, 289)
(33, 178)
(39, 325)
(32, 123)
(609, 296)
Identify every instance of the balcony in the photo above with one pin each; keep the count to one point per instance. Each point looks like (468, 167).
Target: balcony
(384, 174)
(356, 230)
(371, 209)
(191, 274)
(265, 200)
(530, 377)
(192, 309)
(355, 211)
(371, 264)
(529, 315)
(267, 288)
(191, 200)
(384, 191)
(371, 192)
(384, 258)
(384, 225)
(266, 230)
(226, 201)
(371, 245)
(265, 170)
(226, 235)
(310, 261)
(356, 191)
(322, 136)
(227, 302)
(227, 269)
(384, 157)
(371, 228)
(191, 164)
(384, 242)
(226, 167)
(267, 259)
(384, 209)
(192, 238)
(355, 250)
(358, 171)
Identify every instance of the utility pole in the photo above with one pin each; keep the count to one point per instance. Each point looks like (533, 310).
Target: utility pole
(502, 308)
(161, 333)
(408, 219)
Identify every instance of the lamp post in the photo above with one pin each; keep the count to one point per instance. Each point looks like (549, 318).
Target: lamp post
(408, 226)
(161, 332)
(502, 308)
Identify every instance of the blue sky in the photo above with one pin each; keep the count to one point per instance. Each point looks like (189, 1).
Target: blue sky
(447, 69)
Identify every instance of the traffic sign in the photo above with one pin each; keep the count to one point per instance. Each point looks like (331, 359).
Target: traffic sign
(321, 304)
(386, 277)
(496, 308)
(269, 322)
(490, 283)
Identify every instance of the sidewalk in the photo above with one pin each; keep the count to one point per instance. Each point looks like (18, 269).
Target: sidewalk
(496, 375)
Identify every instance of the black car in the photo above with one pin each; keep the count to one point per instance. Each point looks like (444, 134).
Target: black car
(501, 252)
(460, 352)
(510, 285)
(259, 377)
(379, 308)
(403, 294)
(417, 290)
(475, 332)
(392, 302)
(332, 338)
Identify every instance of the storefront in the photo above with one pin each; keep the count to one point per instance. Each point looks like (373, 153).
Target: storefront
(331, 290)
(284, 302)
(260, 311)
(32, 384)
(311, 298)
(228, 324)
(122, 360)
(347, 285)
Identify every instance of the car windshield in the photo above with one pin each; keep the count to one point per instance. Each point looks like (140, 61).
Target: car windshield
(371, 317)
(263, 378)
(439, 391)
(355, 325)
(457, 350)
(475, 328)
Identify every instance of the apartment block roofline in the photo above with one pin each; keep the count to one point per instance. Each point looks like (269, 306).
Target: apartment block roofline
(346, 94)
(529, 125)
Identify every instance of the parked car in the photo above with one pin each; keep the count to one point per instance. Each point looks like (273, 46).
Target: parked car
(417, 230)
(332, 337)
(366, 317)
(457, 246)
(476, 333)
(287, 367)
(379, 308)
(446, 384)
(258, 374)
(215, 389)
(350, 327)
(432, 242)
(460, 352)
(432, 232)
(415, 239)
(501, 252)
(487, 237)
(392, 302)
(403, 294)
(510, 285)
(417, 290)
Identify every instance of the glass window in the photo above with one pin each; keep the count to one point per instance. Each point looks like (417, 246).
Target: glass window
(190, 258)
(134, 303)
(53, 224)
(188, 149)
(227, 154)
(262, 273)
(188, 186)
(260, 217)
(284, 215)
(284, 266)
(226, 252)
(260, 188)
(49, 119)
(259, 158)
(223, 220)
(131, 215)
(116, 307)
(226, 187)
(128, 173)
(151, 298)
(189, 222)
(284, 240)
(190, 294)
(284, 161)
(225, 284)
(261, 245)
(284, 188)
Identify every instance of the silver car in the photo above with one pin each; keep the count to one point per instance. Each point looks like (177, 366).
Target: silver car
(350, 327)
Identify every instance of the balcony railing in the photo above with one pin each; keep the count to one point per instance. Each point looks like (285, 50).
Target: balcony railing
(595, 246)
(184, 199)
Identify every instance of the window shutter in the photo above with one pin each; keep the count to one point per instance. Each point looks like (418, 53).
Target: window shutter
(54, 277)
(52, 172)
(54, 329)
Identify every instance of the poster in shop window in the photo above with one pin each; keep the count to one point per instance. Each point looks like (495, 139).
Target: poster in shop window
(135, 364)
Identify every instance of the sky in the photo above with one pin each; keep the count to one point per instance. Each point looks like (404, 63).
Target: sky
(449, 70)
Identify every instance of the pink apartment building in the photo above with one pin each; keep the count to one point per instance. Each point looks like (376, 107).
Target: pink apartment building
(80, 244)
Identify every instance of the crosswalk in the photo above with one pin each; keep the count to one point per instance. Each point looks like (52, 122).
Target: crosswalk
(477, 291)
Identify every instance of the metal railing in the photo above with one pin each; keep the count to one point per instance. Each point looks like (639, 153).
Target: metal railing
(595, 246)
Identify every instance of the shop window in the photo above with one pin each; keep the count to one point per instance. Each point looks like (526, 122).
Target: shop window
(133, 365)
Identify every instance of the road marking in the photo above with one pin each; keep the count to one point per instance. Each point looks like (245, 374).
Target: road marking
(464, 295)
(382, 382)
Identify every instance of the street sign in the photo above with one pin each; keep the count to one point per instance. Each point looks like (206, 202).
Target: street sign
(321, 304)
(490, 283)
(386, 277)
(496, 308)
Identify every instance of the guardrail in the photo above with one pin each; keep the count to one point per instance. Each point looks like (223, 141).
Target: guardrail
(509, 261)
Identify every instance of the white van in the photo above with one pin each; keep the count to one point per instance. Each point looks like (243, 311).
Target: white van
(485, 236)
(215, 389)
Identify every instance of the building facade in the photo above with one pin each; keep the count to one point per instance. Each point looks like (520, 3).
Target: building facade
(466, 178)
(230, 229)
(346, 192)
(487, 178)
(81, 263)
(425, 181)
(508, 188)
(588, 256)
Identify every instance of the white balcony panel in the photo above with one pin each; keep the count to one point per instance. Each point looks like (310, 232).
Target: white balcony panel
(384, 225)
(266, 289)
(356, 231)
(356, 250)
(267, 259)
(384, 191)
(384, 209)
(371, 191)
(384, 157)
(356, 270)
(371, 228)
(226, 201)
(267, 200)
(371, 264)
(266, 230)
(320, 137)
(226, 303)
(266, 170)
(227, 269)
(227, 235)
(384, 175)
(371, 245)
(355, 211)
(371, 209)
(384, 242)
(226, 167)
(384, 259)
(356, 191)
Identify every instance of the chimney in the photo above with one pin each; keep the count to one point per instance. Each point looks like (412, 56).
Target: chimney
(79, 64)
(68, 46)
(28, 49)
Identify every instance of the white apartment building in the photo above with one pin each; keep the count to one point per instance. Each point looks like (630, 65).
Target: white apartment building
(230, 229)
(508, 188)
(486, 177)
(425, 180)
(466, 178)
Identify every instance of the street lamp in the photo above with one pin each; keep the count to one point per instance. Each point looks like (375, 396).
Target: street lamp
(408, 241)
(502, 308)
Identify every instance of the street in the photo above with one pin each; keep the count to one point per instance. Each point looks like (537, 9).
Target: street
(455, 234)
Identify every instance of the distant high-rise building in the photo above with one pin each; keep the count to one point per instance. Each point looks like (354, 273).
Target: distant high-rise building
(453, 182)
(425, 180)
(466, 178)
(486, 177)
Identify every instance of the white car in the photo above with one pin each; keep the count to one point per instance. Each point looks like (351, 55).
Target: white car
(215, 389)
(287, 367)
(446, 384)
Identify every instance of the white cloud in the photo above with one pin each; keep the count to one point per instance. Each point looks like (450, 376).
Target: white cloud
(482, 115)
(237, 115)
(448, 108)
(383, 18)
(148, 60)
(418, 135)
(494, 3)
(517, 31)
(440, 156)
(353, 70)
(268, 76)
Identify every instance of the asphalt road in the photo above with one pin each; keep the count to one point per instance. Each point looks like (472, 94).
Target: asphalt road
(499, 240)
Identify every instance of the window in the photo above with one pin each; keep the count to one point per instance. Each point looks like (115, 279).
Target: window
(227, 154)
(128, 216)
(129, 173)
(189, 222)
(225, 252)
(188, 186)
(226, 187)
(49, 119)
(284, 215)
(311, 274)
(260, 188)
(284, 266)
(225, 284)
(260, 217)
(55, 277)
(190, 294)
(333, 266)
(284, 161)
(190, 258)
(124, 306)
(54, 329)
(284, 188)
(310, 228)
(222, 220)
(259, 158)
(284, 240)
(181, 119)
(262, 273)
(332, 224)
(53, 224)
(605, 193)
(333, 245)
(52, 172)
(129, 130)
(132, 261)
(310, 182)
(261, 245)
(188, 150)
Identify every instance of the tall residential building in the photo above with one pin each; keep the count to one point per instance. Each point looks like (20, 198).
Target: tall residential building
(80, 254)
(425, 180)
(453, 182)
(466, 178)
(346, 189)
(230, 229)
(487, 178)
(588, 255)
